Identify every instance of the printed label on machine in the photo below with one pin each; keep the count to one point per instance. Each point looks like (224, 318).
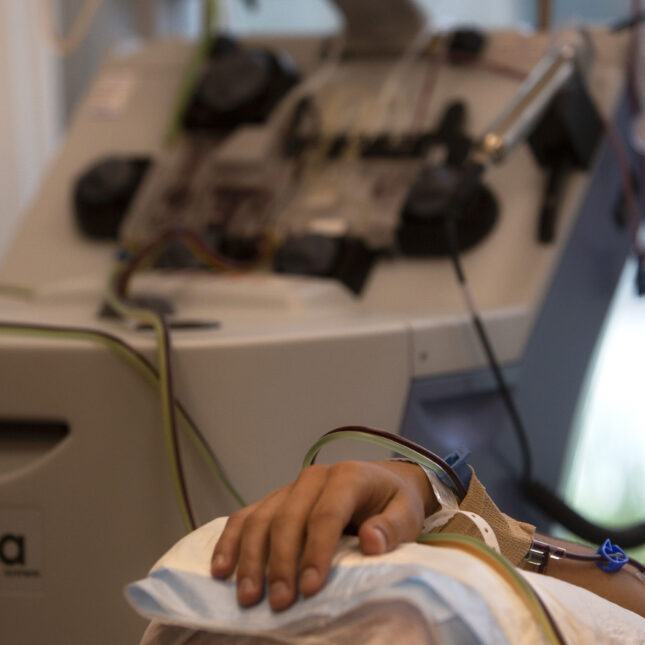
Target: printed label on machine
(21, 552)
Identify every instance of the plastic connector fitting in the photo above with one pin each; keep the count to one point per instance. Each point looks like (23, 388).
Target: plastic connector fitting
(614, 558)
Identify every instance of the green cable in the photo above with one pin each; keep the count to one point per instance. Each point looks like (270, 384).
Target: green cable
(498, 561)
(191, 74)
(505, 568)
(153, 319)
(383, 442)
(211, 22)
(17, 291)
(132, 358)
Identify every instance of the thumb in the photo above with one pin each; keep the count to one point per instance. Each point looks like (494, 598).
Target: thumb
(400, 521)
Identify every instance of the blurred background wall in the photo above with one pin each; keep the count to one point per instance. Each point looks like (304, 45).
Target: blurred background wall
(30, 110)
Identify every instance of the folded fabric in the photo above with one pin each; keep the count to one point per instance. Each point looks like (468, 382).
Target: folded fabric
(451, 594)
(373, 623)
(451, 589)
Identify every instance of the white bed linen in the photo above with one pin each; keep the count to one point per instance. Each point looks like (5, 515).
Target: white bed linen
(451, 591)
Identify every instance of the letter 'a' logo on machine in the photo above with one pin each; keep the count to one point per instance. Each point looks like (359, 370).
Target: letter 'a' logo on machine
(13, 549)
(21, 552)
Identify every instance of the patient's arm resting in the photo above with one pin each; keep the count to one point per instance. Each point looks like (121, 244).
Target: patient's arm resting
(291, 534)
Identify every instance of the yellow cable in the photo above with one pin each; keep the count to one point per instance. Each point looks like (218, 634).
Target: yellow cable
(151, 318)
(17, 291)
(504, 569)
(133, 359)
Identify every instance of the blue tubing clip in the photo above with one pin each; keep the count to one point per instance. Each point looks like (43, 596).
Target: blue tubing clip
(614, 558)
(459, 462)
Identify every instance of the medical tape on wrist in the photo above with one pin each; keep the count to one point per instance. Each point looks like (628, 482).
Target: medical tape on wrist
(450, 508)
(514, 537)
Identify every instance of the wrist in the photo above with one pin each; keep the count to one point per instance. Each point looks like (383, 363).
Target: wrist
(416, 478)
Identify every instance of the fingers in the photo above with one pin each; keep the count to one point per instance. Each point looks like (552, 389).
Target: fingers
(348, 491)
(308, 518)
(254, 549)
(287, 535)
(227, 549)
(400, 521)
(244, 539)
(274, 525)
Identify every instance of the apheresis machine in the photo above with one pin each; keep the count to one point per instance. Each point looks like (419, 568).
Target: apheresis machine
(243, 244)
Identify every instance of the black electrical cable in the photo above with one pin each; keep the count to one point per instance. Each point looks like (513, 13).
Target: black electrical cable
(557, 509)
(628, 23)
(518, 425)
(636, 106)
(121, 281)
(534, 491)
(119, 285)
(192, 518)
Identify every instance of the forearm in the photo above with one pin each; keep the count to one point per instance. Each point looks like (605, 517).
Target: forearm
(288, 538)
(625, 587)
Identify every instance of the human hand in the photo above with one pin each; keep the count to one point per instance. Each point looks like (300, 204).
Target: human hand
(292, 533)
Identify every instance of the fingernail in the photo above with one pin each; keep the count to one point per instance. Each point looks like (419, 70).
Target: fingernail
(380, 538)
(309, 581)
(279, 594)
(246, 590)
(219, 561)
